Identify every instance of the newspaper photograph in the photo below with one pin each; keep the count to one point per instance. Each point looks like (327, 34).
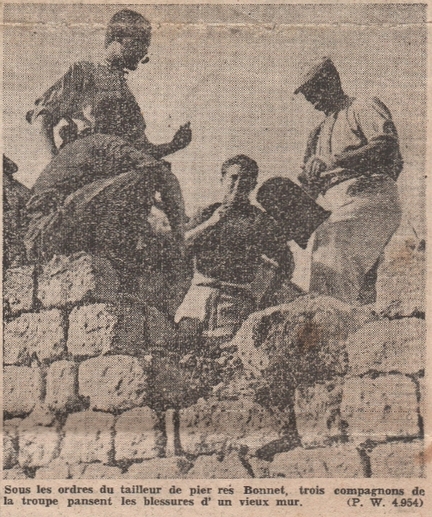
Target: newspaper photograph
(214, 259)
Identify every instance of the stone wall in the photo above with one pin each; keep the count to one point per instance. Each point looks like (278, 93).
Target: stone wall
(94, 387)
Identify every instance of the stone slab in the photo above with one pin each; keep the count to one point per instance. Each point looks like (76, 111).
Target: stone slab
(38, 445)
(212, 467)
(160, 468)
(18, 289)
(62, 385)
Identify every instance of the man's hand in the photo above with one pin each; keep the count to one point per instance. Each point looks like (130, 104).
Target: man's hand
(314, 167)
(182, 137)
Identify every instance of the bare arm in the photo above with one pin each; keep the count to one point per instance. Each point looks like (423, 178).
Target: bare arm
(182, 139)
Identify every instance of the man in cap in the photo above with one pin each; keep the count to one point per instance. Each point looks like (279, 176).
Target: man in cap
(74, 98)
(352, 162)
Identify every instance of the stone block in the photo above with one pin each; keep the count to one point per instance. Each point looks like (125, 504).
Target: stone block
(376, 409)
(18, 289)
(76, 279)
(301, 342)
(212, 426)
(113, 383)
(398, 460)
(22, 389)
(324, 462)
(139, 435)
(388, 346)
(95, 471)
(88, 437)
(260, 468)
(101, 328)
(38, 444)
(160, 468)
(317, 412)
(10, 442)
(62, 385)
(212, 467)
(401, 285)
(57, 469)
(41, 334)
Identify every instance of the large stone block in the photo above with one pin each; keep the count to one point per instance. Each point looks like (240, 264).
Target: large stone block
(41, 334)
(14, 473)
(22, 389)
(113, 383)
(62, 385)
(101, 328)
(88, 437)
(38, 444)
(212, 467)
(57, 469)
(388, 346)
(376, 409)
(301, 342)
(139, 435)
(401, 285)
(317, 412)
(324, 462)
(160, 468)
(18, 289)
(212, 426)
(398, 460)
(75, 279)
(10, 442)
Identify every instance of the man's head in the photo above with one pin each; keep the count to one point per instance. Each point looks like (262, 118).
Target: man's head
(321, 85)
(239, 178)
(130, 33)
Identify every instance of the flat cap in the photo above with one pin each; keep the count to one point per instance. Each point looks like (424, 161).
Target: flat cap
(320, 69)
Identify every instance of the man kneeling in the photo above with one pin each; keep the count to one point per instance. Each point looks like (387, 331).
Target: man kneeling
(231, 243)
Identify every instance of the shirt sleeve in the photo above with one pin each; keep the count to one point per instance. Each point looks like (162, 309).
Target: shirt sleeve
(374, 120)
(62, 99)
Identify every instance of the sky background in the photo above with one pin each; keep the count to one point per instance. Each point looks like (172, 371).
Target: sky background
(230, 70)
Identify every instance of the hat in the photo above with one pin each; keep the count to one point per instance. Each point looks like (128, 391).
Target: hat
(320, 69)
(9, 167)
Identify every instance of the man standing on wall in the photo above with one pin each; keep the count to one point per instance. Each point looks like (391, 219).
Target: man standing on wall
(352, 162)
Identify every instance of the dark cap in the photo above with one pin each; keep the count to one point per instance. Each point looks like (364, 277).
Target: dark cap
(321, 69)
(9, 167)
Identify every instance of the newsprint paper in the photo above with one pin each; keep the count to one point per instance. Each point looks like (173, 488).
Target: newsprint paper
(214, 259)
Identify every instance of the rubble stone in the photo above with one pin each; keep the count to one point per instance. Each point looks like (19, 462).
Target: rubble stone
(14, 473)
(216, 426)
(62, 385)
(160, 468)
(376, 409)
(18, 289)
(75, 279)
(388, 346)
(88, 437)
(41, 334)
(211, 467)
(101, 328)
(317, 412)
(139, 435)
(304, 341)
(324, 462)
(22, 389)
(398, 460)
(112, 383)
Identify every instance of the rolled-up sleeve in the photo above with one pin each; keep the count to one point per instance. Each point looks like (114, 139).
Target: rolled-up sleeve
(62, 99)
(374, 120)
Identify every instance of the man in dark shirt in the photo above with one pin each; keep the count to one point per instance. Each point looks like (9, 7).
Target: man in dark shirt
(231, 243)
